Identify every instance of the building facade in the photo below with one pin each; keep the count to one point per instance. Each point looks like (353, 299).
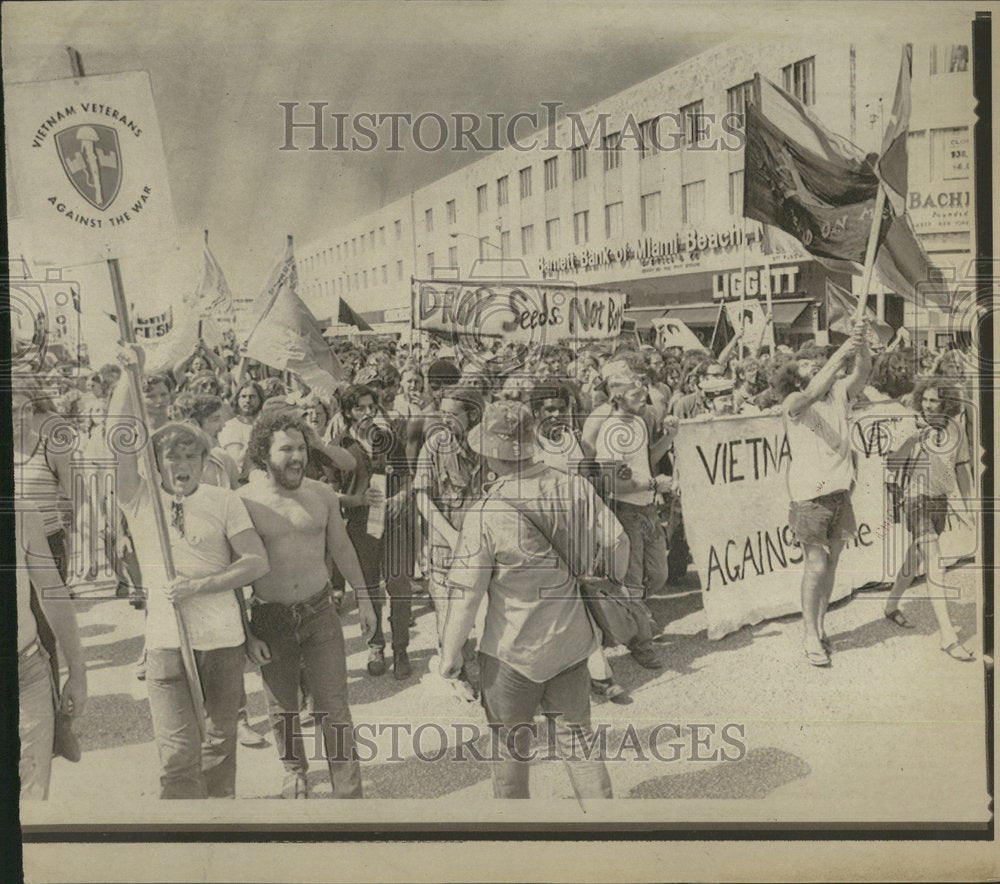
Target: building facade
(643, 192)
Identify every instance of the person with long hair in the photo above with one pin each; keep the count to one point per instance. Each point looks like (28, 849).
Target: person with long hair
(935, 462)
(235, 433)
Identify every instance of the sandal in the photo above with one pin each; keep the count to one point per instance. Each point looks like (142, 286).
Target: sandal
(957, 651)
(818, 658)
(901, 621)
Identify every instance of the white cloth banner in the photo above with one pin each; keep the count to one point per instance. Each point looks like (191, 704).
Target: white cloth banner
(672, 332)
(734, 496)
(534, 312)
(88, 167)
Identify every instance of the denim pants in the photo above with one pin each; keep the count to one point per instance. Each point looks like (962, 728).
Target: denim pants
(511, 701)
(315, 642)
(387, 557)
(190, 768)
(647, 562)
(36, 722)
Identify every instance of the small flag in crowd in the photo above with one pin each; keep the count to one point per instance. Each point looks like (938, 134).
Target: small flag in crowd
(347, 316)
(840, 308)
(287, 335)
(212, 301)
(892, 166)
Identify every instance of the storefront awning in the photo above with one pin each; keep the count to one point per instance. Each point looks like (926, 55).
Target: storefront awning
(695, 315)
(790, 313)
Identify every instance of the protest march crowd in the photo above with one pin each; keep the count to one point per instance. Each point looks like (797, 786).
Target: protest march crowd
(531, 493)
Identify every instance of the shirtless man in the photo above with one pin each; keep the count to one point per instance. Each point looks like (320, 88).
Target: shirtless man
(295, 620)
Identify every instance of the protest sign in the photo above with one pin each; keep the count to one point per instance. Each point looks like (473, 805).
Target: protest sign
(672, 332)
(734, 494)
(522, 311)
(88, 167)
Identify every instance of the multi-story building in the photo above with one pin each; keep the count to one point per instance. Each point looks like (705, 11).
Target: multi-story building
(639, 192)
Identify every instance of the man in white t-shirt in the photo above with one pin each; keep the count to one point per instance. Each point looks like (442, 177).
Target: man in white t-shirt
(816, 408)
(215, 551)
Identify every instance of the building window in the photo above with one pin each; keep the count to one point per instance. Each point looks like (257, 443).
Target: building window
(502, 191)
(385, 273)
(504, 243)
(481, 198)
(524, 176)
(429, 220)
(612, 145)
(364, 279)
(695, 123)
(579, 163)
(484, 243)
(649, 138)
(949, 59)
(736, 192)
(737, 99)
(453, 257)
(800, 79)
(399, 270)
(613, 221)
(381, 236)
(581, 228)
(354, 246)
(399, 230)
(338, 253)
(348, 279)
(693, 203)
(363, 246)
(552, 173)
(450, 210)
(552, 234)
(528, 240)
(650, 206)
(430, 263)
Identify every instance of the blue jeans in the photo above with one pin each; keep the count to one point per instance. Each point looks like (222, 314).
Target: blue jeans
(647, 563)
(315, 641)
(36, 722)
(511, 701)
(188, 767)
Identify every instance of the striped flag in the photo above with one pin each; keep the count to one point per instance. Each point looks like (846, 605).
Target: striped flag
(212, 301)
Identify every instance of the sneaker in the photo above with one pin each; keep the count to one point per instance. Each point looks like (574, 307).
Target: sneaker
(247, 735)
(376, 661)
(401, 665)
(607, 689)
(646, 657)
(295, 786)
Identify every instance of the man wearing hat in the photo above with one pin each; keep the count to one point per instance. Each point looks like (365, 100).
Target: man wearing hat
(523, 546)
(626, 443)
(215, 551)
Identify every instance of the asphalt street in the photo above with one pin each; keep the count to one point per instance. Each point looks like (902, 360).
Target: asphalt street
(893, 730)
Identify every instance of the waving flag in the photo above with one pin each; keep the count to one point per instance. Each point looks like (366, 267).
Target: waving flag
(347, 316)
(820, 188)
(212, 302)
(287, 335)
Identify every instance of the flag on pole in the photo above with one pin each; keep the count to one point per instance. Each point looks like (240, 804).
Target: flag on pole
(671, 332)
(347, 316)
(212, 301)
(892, 166)
(840, 308)
(821, 188)
(802, 178)
(288, 337)
(749, 316)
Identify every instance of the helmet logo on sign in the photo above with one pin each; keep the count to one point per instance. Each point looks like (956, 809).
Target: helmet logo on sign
(91, 158)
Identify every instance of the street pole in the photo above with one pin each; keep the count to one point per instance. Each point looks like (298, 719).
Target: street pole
(127, 334)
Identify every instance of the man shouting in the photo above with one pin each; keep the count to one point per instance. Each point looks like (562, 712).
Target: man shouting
(295, 621)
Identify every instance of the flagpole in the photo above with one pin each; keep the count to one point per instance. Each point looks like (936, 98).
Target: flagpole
(127, 334)
(870, 254)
